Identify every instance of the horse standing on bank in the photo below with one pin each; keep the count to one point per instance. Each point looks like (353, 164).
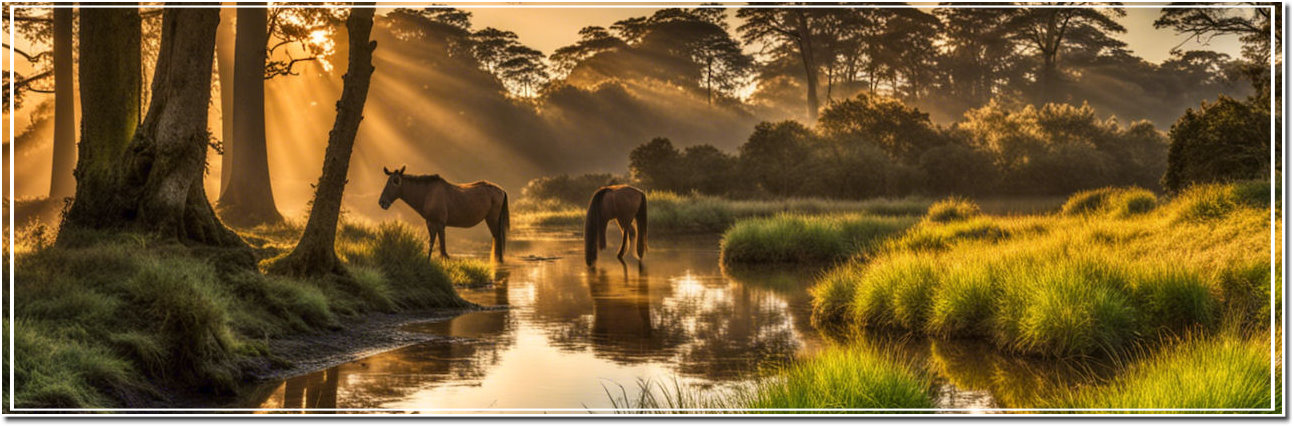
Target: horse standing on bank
(442, 204)
(626, 205)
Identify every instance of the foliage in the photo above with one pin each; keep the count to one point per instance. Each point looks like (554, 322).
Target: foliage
(873, 146)
(1223, 141)
(703, 168)
(568, 189)
(900, 130)
(776, 157)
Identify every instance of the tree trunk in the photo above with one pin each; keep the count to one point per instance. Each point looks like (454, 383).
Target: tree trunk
(1047, 78)
(810, 65)
(315, 254)
(248, 199)
(61, 182)
(109, 80)
(225, 69)
(154, 182)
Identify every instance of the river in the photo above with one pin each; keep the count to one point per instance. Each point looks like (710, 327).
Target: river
(570, 339)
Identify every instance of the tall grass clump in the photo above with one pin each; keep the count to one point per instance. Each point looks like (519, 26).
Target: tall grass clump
(792, 238)
(1214, 201)
(1067, 284)
(858, 376)
(400, 254)
(1226, 373)
(861, 378)
(1114, 202)
(952, 209)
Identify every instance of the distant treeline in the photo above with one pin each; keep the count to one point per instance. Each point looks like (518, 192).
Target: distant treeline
(872, 146)
(875, 146)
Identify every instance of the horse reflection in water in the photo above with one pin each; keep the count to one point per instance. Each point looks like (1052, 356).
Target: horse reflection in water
(623, 328)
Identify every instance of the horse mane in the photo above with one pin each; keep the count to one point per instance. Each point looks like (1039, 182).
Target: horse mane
(423, 178)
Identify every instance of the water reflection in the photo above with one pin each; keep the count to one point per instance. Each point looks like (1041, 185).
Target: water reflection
(570, 333)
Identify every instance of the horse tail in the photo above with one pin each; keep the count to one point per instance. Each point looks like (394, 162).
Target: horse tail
(641, 219)
(592, 222)
(501, 240)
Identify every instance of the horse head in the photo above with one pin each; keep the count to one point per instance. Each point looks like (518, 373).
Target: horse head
(392, 190)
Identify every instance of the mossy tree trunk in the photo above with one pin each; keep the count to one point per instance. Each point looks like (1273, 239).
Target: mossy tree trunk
(248, 200)
(61, 183)
(152, 183)
(110, 80)
(315, 254)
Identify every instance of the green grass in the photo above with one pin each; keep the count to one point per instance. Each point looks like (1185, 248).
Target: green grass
(854, 376)
(671, 213)
(796, 238)
(862, 377)
(952, 210)
(1113, 202)
(106, 319)
(1066, 284)
(1224, 372)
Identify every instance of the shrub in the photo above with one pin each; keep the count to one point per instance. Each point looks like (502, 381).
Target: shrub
(569, 189)
(956, 168)
(1226, 140)
(776, 155)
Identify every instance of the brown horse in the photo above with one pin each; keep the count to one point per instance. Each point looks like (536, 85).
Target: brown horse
(442, 204)
(623, 203)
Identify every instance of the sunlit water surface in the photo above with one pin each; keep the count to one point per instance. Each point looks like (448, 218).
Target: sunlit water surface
(574, 339)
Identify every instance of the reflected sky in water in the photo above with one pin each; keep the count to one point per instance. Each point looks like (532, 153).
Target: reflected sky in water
(569, 335)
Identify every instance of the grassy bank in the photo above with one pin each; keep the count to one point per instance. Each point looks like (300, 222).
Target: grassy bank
(108, 319)
(805, 239)
(1228, 372)
(1114, 267)
(671, 213)
(1223, 372)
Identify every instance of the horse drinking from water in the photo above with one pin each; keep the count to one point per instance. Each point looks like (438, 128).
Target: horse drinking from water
(623, 203)
(442, 204)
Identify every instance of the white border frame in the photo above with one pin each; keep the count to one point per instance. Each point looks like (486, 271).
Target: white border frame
(604, 412)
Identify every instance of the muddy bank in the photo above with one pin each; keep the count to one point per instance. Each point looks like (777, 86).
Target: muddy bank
(360, 337)
(297, 354)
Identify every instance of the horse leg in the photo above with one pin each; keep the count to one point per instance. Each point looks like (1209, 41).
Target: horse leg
(493, 224)
(631, 235)
(431, 235)
(624, 238)
(441, 232)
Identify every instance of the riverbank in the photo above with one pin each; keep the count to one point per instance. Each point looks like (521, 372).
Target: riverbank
(123, 320)
(1175, 293)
